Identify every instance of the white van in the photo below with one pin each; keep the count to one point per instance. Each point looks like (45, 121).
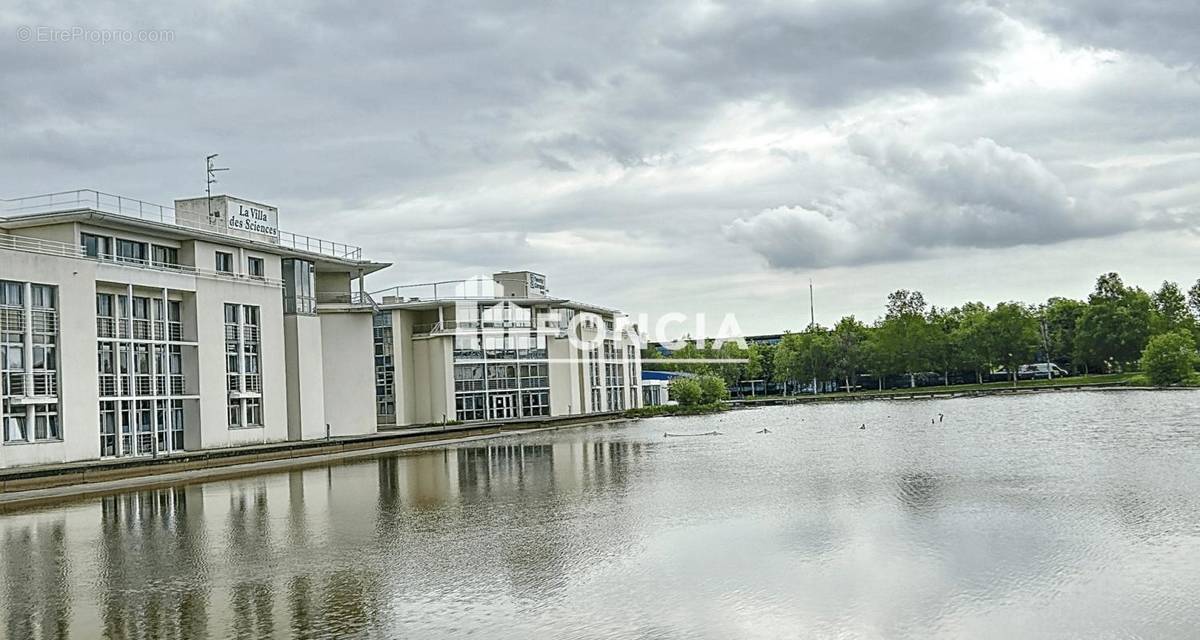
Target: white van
(1041, 370)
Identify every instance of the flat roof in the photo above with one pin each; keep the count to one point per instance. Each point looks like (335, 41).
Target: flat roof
(433, 303)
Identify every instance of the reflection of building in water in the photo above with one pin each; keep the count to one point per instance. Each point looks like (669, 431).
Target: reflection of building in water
(153, 538)
(36, 599)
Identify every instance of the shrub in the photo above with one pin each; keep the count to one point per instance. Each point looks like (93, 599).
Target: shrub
(1170, 358)
(712, 389)
(685, 391)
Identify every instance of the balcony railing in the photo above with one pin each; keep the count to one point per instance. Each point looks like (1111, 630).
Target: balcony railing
(106, 327)
(141, 329)
(108, 385)
(132, 208)
(352, 298)
(253, 383)
(66, 250)
(175, 331)
(12, 319)
(14, 383)
(45, 384)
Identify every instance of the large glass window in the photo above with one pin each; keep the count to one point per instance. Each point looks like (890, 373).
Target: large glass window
(131, 251)
(95, 246)
(166, 256)
(299, 287)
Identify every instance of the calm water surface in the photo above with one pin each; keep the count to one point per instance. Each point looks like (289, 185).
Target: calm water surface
(1058, 515)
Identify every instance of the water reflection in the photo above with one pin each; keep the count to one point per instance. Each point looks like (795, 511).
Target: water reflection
(36, 598)
(614, 532)
(152, 567)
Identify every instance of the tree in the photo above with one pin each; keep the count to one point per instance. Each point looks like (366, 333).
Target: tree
(712, 389)
(849, 342)
(1170, 309)
(1012, 336)
(971, 339)
(904, 338)
(904, 302)
(1115, 325)
(686, 391)
(944, 353)
(804, 356)
(1170, 358)
(1062, 317)
(1194, 299)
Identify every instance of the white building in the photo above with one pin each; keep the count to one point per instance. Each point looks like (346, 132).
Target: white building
(499, 348)
(133, 329)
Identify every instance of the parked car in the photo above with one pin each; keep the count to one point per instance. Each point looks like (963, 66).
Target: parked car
(1041, 370)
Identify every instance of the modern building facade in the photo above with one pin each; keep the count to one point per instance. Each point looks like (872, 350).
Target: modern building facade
(134, 329)
(499, 348)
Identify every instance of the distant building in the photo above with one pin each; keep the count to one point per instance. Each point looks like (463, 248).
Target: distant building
(134, 329)
(499, 348)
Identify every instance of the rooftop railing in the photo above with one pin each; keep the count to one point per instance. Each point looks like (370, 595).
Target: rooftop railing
(470, 289)
(132, 208)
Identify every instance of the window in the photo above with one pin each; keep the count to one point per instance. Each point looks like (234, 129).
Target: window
(108, 428)
(253, 412)
(242, 365)
(130, 251)
(12, 294)
(256, 267)
(299, 286)
(166, 256)
(41, 296)
(94, 246)
(224, 262)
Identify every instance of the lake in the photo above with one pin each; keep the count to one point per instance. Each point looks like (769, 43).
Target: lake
(1057, 514)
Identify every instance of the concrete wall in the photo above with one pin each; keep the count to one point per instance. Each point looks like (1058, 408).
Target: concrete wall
(564, 378)
(303, 351)
(348, 358)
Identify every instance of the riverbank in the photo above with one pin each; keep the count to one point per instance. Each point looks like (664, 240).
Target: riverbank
(25, 486)
(1100, 382)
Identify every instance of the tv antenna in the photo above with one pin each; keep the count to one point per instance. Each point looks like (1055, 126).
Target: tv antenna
(212, 179)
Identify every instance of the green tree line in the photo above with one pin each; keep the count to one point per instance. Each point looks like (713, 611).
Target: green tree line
(1108, 332)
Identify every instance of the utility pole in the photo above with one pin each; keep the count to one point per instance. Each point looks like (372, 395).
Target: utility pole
(812, 327)
(1046, 347)
(211, 180)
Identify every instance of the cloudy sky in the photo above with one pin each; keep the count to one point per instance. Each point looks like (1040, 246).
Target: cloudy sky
(689, 156)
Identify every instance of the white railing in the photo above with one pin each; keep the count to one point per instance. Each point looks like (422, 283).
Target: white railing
(106, 327)
(352, 298)
(470, 289)
(12, 319)
(45, 383)
(65, 250)
(107, 203)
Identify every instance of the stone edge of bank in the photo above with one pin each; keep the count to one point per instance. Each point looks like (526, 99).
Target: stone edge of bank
(17, 485)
